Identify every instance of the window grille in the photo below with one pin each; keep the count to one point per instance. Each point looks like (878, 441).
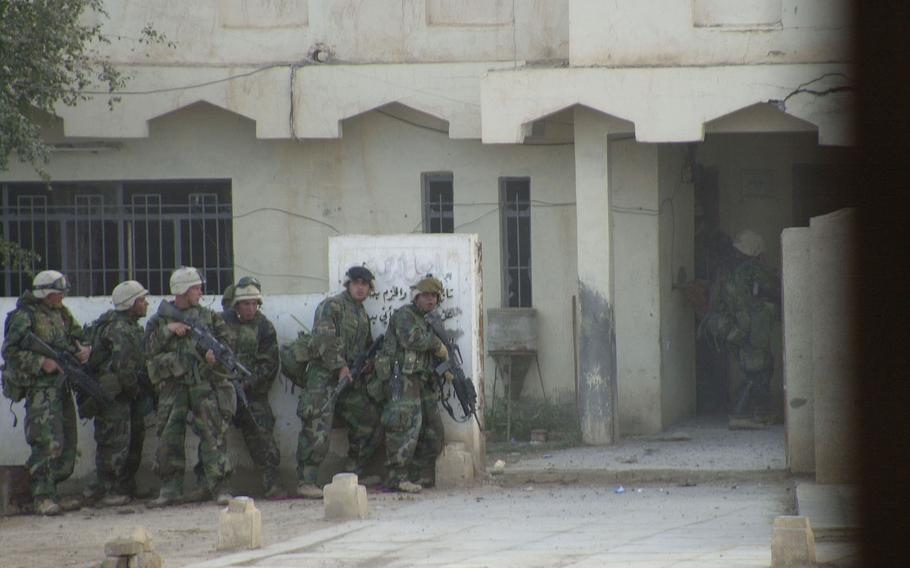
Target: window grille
(515, 228)
(100, 234)
(438, 206)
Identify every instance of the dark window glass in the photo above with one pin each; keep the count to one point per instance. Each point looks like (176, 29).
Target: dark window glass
(438, 205)
(515, 208)
(101, 233)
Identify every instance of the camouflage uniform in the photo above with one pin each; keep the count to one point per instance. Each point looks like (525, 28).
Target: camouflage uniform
(414, 433)
(256, 345)
(50, 413)
(118, 356)
(744, 311)
(186, 384)
(345, 319)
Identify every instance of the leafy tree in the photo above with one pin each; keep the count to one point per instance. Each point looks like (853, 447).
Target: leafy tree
(48, 55)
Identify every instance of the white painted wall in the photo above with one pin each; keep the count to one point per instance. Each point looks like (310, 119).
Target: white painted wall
(708, 32)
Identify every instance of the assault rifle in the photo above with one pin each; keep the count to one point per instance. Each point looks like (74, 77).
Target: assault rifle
(73, 373)
(356, 369)
(204, 340)
(462, 385)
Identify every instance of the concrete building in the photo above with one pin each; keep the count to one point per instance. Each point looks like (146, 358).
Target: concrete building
(593, 147)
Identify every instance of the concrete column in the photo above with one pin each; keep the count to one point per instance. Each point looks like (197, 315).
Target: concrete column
(835, 361)
(635, 220)
(799, 396)
(596, 325)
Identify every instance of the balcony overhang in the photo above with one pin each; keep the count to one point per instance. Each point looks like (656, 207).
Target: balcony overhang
(673, 104)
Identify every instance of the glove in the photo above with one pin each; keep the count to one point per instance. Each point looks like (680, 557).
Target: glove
(441, 351)
(448, 376)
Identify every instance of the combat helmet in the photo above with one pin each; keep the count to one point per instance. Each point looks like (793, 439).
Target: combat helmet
(126, 293)
(428, 285)
(49, 282)
(185, 278)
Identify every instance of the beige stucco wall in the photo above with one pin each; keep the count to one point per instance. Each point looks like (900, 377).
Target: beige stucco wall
(289, 197)
(708, 32)
(634, 178)
(220, 32)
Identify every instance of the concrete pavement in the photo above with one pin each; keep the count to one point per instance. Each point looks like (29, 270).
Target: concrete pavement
(698, 495)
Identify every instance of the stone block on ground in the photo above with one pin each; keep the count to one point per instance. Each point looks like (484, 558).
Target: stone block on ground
(146, 560)
(240, 525)
(116, 562)
(142, 536)
(14, 491)
(344, 498)
(454, 467)
(123, 547)
(792, 543)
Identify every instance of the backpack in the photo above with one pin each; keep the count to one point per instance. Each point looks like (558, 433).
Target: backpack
(14, 383)
(92, 333)
(295, 357)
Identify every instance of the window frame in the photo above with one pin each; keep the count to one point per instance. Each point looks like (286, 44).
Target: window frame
(524, 298)
(426, 181)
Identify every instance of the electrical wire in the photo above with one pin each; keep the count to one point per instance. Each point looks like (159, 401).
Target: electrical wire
(288, 213)
(190, 86)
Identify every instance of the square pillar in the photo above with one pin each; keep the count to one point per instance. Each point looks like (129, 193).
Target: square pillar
(596, 324)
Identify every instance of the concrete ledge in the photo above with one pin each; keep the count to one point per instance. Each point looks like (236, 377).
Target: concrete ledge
(513, 477)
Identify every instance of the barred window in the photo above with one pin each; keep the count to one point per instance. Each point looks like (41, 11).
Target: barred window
(515, 228)
(438, 213)
(101, 233)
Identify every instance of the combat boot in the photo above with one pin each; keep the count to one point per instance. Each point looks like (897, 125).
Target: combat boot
(309, 491)
(164, 499)
(409, 487)
(223, 497)
(198, 495)
(273, 490)
(113, 500)
(371, 481)
(48, 508)
(71, 503)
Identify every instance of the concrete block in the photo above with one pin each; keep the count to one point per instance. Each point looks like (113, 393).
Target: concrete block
(454, 467)
(344, 498)
(142, 536)
(799, 390)
(792, 543)
(240, 525)
(14, 491)
(146, 560)
(116, 562)
(123, 547)
(512, 330)
(835, 358)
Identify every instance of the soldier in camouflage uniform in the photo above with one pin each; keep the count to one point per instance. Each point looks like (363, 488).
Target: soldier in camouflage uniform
(50, 414)
(414, 433)
(118, 357)
(744, 306)
(342, 320)
(189, 382)
(255, 343)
